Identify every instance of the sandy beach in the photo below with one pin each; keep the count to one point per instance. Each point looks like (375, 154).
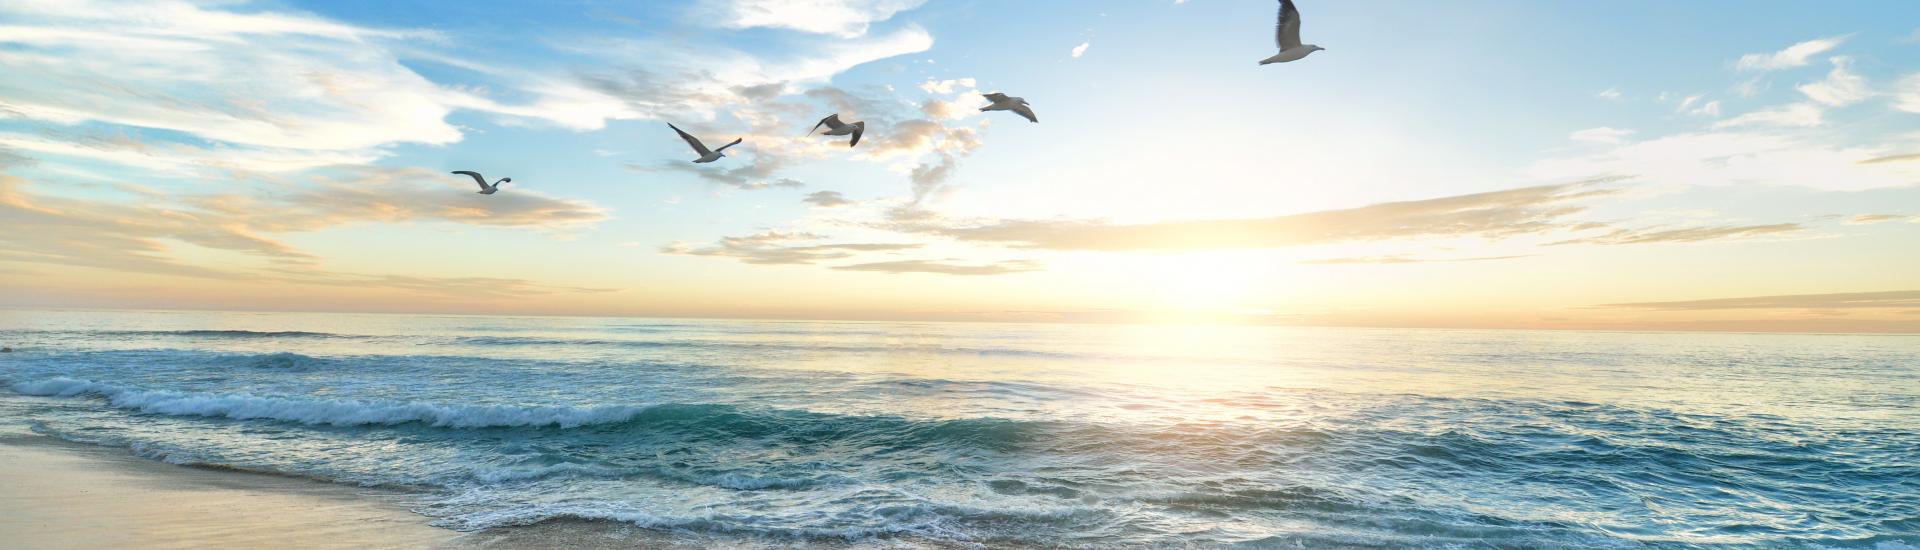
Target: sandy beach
(57, 494)
(61, 494)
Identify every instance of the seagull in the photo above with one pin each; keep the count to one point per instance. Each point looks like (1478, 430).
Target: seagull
(705, 155)
(484, 188)
(1003, 102)
(837, 128)
(1286, 32)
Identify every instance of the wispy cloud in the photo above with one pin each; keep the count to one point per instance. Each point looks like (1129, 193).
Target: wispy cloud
(1610, 94)
(1735, 157)
(944, 267)
(1793, 56)
(1602, 134)
(1844, 300)
(1402, 259)
(1907, 94)
(759, 173)
(1870, 219)
(1910, 157)
(1685, 235)
(1841, 87)
(827, 199)
(844, 18)
(1800, 115)
(138, 236)
(781, 248)
(1491, 215)
(1081, 49)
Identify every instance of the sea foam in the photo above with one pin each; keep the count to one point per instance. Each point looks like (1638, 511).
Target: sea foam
(244, 406)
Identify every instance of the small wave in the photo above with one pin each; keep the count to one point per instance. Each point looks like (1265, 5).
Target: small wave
(688, 420)
(242, 406)
(285, 361)
(729, 345)
(225, 333)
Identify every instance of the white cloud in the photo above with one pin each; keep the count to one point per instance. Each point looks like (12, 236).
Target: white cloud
(948, 86)
(308, 83)
(1727, 158)
(1794, 56)
(1688, 102)
(844, 18)
(1710, 108)
(1800, 115)
(177, 158)
(1081, 49)
(1907, 95)
(1602, 134)
(1841, 87)
(1750, 87)
(1609, 94)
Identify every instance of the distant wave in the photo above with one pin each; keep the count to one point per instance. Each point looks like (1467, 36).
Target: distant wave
(242, 406)
(287, 361)
(783, 346)
(224, 333)
(685, 419)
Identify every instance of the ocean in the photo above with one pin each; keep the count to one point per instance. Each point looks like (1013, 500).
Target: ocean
(974, 434)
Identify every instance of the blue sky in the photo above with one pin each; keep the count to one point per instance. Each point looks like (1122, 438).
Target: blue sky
(289, 155)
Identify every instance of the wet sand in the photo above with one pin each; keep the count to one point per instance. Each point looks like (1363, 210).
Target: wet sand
(61, 494)
(58, 494)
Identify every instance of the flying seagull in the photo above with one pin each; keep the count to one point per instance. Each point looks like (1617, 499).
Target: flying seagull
(837, 128)
(1286, 32)
(705, 155)
(1004, 102)
(484, 188)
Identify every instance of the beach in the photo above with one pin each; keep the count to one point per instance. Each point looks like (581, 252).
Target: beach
(58, 494)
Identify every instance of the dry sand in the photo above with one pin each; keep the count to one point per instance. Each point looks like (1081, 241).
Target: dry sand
(56, 494)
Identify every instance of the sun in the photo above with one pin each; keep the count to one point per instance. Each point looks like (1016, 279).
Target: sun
(1208, 282)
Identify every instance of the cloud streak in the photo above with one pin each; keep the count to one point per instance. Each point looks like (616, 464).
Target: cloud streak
(136, 236)
(945, 267)
(1686, 235)
(1793, 56)
(1491, 215)
(773, 248)
(1401, 259)
(1844, 300)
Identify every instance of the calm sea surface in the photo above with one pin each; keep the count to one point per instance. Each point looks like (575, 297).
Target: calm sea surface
(1000, 434)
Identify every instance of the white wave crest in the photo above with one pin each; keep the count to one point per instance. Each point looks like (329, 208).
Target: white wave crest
(242, 406)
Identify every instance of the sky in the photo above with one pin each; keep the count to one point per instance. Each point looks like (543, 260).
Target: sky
(1640, 165)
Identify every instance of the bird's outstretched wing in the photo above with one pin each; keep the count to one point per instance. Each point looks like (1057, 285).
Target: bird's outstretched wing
(477, 178)
(1286, 31)
(832, 122)
(693, 141)
(995, 97)
(736, 141)
(858, 128)
(1025, 111)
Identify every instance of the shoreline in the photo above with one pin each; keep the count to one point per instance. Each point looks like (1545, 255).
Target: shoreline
(62, 494)
(56, 493)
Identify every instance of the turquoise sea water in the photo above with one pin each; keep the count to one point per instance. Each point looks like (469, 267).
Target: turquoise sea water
(1010, 435)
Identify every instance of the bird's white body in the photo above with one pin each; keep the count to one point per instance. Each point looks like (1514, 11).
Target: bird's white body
(706, 155)
(1004, 102)
(1291, 54)
(837, 128)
